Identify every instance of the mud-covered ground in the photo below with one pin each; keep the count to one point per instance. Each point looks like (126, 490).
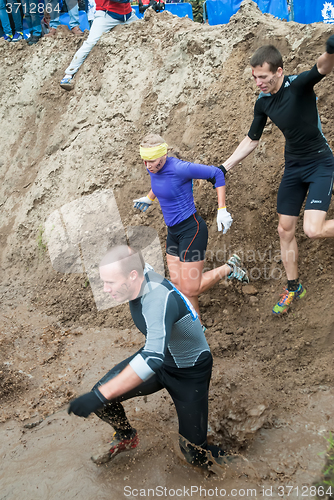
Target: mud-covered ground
(271, 390)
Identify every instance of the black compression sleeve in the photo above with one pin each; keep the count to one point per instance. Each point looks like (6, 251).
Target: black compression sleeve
(259, 122)
(330, 45)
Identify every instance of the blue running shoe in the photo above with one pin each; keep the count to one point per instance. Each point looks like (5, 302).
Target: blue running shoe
(18, 35)
(67, 82)
(8, 38)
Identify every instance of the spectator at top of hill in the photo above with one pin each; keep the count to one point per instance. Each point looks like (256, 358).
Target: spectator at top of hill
(4, 19)
(197, 6)
(109, 14)
(46, 23)
(14, 10)
(157, 5)
(32, 16)
(73, 11)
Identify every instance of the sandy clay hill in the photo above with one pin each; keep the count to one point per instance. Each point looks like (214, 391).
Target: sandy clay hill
(271, 392)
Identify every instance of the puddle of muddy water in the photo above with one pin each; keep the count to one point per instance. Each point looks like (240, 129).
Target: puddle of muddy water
(51, 461)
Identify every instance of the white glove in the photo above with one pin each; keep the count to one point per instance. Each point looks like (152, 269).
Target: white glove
(142, 203)
(224, 219)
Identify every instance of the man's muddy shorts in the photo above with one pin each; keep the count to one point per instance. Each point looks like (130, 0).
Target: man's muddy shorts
(313, 176)
(188, 239)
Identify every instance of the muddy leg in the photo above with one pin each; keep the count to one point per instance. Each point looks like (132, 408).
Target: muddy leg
(115, 416)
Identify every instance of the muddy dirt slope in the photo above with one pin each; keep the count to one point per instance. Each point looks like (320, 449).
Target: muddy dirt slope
(192, 84)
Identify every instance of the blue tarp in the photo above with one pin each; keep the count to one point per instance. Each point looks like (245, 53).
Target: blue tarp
(313, 11)
(178, 9)
(220, 11)
(277, 8)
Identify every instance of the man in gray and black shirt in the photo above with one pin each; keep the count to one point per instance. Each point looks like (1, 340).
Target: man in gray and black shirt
(176, 356)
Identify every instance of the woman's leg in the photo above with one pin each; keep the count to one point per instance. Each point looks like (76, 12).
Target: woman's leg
(186, 246)
(188, 277)
(188, 286)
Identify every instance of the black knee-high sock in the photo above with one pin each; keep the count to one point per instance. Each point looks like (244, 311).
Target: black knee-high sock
(114, 415)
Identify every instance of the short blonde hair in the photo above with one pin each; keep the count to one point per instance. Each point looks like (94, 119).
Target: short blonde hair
(127, 258)
(151, 140)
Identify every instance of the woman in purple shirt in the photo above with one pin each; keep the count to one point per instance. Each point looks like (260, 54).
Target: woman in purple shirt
(171, 184)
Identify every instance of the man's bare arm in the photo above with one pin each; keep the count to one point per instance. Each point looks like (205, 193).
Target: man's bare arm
(246, 146)
(96, 399)
(122, 383)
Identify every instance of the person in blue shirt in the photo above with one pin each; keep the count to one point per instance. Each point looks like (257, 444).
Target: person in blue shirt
(171, 184)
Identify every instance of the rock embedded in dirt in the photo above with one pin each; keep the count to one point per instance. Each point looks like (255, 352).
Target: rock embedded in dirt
(249, 290)
(253, 300)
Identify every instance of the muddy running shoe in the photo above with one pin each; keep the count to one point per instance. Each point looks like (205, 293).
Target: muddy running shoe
(284, 303)
(213, 459)
(235, 464)
(237, 272)
(116, 446)
(67, 82)
(219, 456)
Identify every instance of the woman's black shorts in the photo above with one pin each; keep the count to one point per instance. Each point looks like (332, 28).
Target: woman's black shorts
(188, 239)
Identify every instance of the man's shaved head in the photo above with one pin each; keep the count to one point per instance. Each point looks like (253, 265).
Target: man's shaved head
(127, 258)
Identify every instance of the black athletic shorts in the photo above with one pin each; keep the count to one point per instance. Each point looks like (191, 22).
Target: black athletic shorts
(315, 176)
(188, 239)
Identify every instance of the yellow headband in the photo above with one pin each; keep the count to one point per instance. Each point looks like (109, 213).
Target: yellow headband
(154, 152)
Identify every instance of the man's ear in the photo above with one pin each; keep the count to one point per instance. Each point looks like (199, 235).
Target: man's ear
(279, 71)
(133, 275)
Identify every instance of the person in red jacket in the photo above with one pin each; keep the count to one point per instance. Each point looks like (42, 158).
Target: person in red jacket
(108, 15)
(157, 5)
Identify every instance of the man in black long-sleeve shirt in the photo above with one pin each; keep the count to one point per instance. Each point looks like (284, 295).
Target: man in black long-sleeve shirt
(290, 102)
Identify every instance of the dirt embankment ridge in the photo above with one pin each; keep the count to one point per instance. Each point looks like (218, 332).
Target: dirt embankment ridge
(192, 84)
